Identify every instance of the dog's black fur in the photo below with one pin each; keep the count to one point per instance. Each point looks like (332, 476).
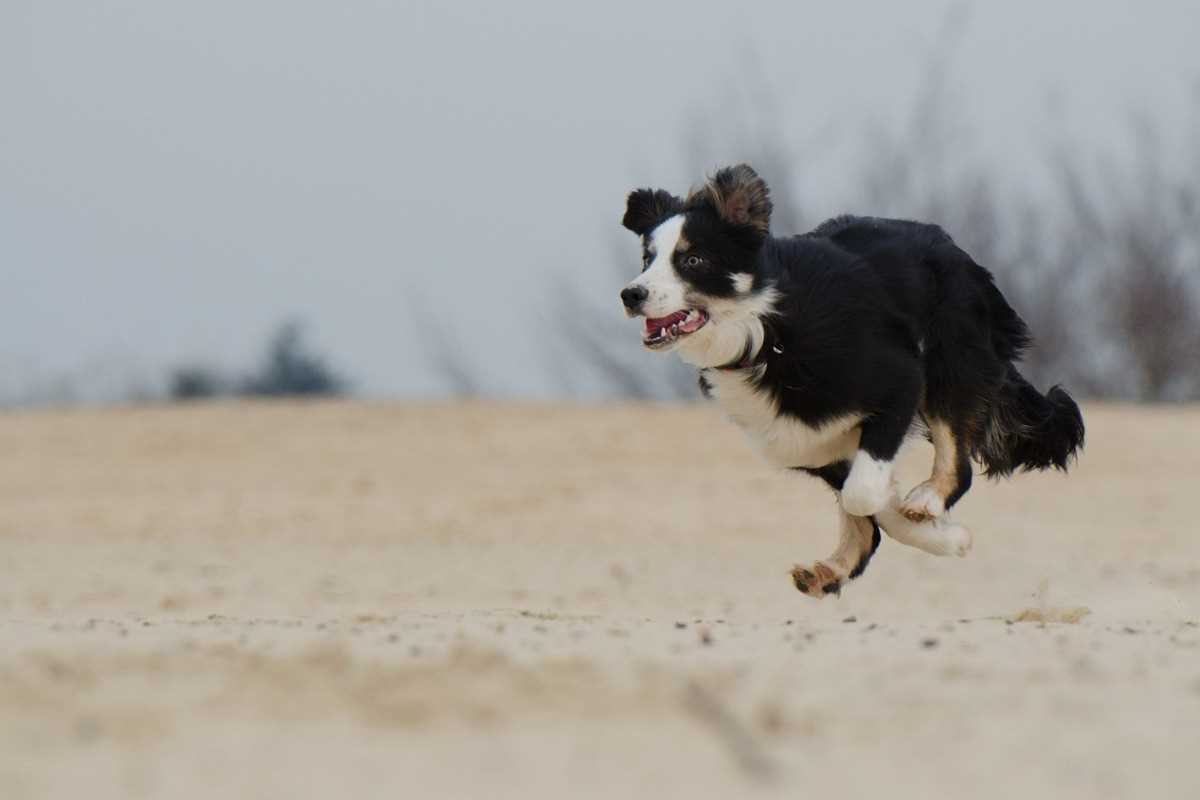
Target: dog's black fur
(886, 318)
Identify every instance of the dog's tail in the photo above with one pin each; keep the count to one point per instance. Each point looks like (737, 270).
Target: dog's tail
(1025, 429)
(1028, 430)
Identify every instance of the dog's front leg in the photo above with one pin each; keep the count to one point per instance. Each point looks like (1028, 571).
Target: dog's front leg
(870, 488)
(857, 542)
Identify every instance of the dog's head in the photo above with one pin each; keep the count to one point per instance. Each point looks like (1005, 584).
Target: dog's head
(700, 290)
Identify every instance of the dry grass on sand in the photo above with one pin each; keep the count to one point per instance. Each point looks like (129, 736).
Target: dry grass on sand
(531, 601)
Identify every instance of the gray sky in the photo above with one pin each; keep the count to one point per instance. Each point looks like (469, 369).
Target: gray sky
(175, 178)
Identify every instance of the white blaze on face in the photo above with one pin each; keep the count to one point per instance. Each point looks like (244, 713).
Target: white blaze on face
(666, 290)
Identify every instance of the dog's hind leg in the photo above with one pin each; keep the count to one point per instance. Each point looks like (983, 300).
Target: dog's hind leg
(951, 474)
(859, 539)
(940, 537)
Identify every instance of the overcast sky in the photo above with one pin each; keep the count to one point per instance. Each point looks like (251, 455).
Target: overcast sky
(177, 177)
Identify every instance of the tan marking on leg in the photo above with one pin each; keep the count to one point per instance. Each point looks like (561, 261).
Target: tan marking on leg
(828, 575)
(945, 458)
(928, 499)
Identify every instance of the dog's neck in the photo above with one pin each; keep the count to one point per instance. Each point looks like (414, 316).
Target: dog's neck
(730, 342)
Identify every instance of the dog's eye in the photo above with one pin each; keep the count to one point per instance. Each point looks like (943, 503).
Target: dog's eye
(692, 261)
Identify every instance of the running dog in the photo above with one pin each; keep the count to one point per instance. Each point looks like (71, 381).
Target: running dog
(829, 348)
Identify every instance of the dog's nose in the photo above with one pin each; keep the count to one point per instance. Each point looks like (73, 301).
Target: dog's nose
(634, 296)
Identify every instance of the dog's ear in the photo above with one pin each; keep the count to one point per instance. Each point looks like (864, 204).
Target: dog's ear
(739, 196)
(646, 208)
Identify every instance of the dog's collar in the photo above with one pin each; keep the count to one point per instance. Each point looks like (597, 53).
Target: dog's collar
(769, 349)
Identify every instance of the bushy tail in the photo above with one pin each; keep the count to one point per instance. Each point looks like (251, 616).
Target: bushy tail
(1028, 430)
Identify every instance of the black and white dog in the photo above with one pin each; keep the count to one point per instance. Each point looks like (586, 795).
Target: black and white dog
(828, 348)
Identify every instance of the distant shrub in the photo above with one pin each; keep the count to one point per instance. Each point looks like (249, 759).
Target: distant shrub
(290, 369)
(191, 382)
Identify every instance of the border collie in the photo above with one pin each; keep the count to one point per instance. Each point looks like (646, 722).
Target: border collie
(827, 349)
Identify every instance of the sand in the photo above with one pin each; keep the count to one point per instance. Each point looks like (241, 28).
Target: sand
(534, 601)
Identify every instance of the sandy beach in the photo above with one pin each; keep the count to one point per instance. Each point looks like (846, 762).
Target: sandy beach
(544, 601)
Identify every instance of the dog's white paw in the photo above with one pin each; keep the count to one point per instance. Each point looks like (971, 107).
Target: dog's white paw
(923, 502)
(956, 540)
(868, 488)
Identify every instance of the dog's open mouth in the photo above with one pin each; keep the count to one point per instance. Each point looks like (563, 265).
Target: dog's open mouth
(661, 331)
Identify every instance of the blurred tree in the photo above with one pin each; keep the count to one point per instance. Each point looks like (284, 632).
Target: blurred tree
(444, 350)
(291, 369)
(1137, 227)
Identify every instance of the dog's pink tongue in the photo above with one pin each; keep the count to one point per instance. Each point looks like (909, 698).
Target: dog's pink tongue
(654, 323)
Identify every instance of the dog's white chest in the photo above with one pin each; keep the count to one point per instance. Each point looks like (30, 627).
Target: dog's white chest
(782, 441)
